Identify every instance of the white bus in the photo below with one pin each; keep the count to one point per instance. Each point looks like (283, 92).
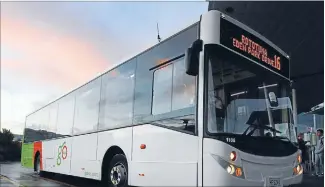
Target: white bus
(215, 114)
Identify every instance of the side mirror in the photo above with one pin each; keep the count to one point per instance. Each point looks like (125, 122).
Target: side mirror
(192, 58)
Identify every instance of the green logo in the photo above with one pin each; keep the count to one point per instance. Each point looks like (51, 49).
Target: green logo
(62, 153)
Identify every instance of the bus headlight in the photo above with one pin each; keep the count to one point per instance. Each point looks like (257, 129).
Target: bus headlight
(232, 169)
(297, 170)
(235, 171)
(233, 156)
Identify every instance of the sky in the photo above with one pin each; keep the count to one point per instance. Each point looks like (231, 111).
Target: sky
(49, 48)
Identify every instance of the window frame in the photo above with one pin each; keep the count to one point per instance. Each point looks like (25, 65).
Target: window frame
(73, 98)
(153, 86)
(192, 110)
(82, 90)
(103, 81)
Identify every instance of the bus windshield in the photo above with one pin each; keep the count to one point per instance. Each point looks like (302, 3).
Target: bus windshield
(241, 102)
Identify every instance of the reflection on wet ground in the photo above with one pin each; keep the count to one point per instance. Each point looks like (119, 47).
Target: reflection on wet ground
(13, 175)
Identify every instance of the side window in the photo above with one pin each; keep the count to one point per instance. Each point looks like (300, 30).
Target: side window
(116, 105)
(183, 87)
(173, 89)
(87, 107)
(174, 97)
(65, 115)
(32, 128)
(162, 90)
(43, 120)
(53, 114)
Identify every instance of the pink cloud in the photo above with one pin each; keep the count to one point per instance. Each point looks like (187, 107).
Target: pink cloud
(48, 55)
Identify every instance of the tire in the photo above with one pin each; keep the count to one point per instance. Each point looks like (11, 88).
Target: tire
(116, 173)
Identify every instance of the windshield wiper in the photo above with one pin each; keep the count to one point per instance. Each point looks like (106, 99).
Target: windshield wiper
(259, 127)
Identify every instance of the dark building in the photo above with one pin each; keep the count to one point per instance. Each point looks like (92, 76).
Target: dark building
(298, 29)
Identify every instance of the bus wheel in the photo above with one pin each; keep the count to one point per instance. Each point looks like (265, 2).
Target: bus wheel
(117, 174)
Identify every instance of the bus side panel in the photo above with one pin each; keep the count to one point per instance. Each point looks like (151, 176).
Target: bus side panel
(84, 162)
(27, 151)
(169, 159)
(121, 138)
(57, 155)
(49, 155)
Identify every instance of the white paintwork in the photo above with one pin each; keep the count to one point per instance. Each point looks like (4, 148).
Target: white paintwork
(200, 116)
(84, 156)
(170, 157)
(50, 151)
(121, 138)
(209, 28)
(255, 168)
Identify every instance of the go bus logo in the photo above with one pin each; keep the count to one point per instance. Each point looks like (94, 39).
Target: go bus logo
(62, 153)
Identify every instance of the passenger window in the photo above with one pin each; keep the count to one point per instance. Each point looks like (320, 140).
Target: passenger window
(162, 90)
(65, 115)
(173, 89)
(87, 108)
(52, 120)
(32, 128)
(43, 119)
(116, 105)
(183, 87)
(174, 97)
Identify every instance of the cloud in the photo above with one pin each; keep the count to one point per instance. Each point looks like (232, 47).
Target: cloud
(48, 48)
(42, 57)
(78, 19)
(48, 56)
(15, 107)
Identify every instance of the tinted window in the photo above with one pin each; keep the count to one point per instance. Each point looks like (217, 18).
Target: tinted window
(53, 114)
(116, 106)
(43, 120)
(32, 128)
(143, 90)
(87, 107)
(144, 77)
(173, 89)
(65, 115)
(162, 90)
(183, 87)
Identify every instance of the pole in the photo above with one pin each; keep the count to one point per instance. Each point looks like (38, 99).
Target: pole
(294, 109)
(315, 124)
(313, 156)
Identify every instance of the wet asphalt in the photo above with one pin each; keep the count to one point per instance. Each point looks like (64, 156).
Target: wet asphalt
(13, 175)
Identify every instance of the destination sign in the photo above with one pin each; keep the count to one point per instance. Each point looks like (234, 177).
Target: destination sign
(253, 48)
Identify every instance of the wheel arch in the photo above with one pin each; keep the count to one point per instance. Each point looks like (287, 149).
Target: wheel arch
(109, 154)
